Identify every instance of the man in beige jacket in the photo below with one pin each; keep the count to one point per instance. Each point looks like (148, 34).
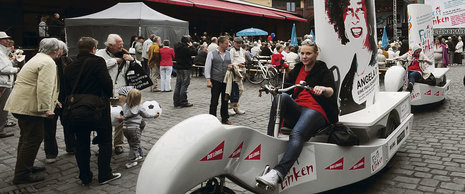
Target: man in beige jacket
(31, 101)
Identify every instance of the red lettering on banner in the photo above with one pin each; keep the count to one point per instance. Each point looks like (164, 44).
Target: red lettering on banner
(237, 152)
(437, 93)
(215, 154)
(255, 155)
(295, 174)
(439, 20)
(359, 165)
(338, 165)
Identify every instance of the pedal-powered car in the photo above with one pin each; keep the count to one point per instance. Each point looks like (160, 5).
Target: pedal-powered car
(396, 79)
(201, 148)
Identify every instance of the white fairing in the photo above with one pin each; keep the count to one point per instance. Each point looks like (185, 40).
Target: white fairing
(152, 107)
(115, 113)
(395, 78)
(200, 148)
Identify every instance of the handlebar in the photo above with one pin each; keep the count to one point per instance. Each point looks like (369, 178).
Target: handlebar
(267, 89)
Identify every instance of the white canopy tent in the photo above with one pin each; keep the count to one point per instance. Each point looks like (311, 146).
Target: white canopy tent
(125, 19)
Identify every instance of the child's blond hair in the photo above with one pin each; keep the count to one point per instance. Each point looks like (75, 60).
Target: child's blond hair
(134, 98)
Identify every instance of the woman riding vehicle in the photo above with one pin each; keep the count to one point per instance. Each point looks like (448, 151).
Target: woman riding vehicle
(306, 111)
(417, 65)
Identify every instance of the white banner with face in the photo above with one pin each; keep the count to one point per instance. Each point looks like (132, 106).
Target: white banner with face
(421, 28)
(346, 31)
(447, 13)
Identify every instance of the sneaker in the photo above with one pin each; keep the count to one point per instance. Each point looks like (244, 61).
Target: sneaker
(239, 111)
(50, 160)
(231, 112)
(270, 179)
(131, 164)
(113, 177)
(139, 158)
(119, 150)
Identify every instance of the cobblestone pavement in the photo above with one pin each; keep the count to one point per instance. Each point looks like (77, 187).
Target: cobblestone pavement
(431, 161)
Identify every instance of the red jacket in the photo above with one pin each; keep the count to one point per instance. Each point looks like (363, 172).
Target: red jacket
(276, 59)
(166, 55)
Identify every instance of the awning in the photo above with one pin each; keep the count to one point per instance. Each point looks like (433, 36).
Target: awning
(233, 8)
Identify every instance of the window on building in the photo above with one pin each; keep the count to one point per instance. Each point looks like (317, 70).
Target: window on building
(310, 3)
(290, 6)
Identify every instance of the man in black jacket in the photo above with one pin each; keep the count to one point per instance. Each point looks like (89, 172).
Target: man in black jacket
(184, 52)
(95, 80)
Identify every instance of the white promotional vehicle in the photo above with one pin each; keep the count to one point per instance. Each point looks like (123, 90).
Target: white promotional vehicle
(201, 148)
(396, 79)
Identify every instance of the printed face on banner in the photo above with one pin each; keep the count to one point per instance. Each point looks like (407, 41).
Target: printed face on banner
(355, 22)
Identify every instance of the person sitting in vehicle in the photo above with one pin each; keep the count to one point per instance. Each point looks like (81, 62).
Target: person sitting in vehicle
(418, 65)
(277, 59)
(306, 111)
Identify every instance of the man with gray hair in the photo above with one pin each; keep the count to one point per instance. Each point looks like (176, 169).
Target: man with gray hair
(117, 64)
(33, 100)
(7, 72)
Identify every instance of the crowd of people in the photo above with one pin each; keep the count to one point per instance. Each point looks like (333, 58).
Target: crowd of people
(45, 82)
(44, 85)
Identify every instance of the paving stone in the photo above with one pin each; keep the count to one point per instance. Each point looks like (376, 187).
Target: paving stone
(452, 186)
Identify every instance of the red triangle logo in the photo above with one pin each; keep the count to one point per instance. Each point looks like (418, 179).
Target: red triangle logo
(339, 165)
(359, 165)
(215, 154)
(437, 93)
(255, 155)
(428, 93)
(237, 152)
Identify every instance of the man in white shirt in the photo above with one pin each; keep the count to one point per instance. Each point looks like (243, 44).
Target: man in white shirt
(117, 65)
(145, 56)
(213, 45)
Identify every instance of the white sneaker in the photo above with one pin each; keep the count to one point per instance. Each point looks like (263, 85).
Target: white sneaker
(231, 112)
(239, 111)
(139, 158)
(131, 164)
(270, 179)
(50, 160)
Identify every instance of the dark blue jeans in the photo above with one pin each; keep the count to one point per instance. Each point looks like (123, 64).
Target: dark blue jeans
(183, 79)
(305, 123)
(413, 76)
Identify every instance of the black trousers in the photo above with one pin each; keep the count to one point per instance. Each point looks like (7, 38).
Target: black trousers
(50, 141)
(219, 88)
(83, 149)
(31, 136)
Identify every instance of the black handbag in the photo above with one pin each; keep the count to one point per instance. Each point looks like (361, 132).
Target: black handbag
(342, 135)
(83, 108)
(137, 77)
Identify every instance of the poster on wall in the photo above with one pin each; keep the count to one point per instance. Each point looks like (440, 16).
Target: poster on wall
(420, 28)
(447, 13)
(346, 31)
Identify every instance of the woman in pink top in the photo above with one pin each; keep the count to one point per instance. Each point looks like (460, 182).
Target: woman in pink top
(166, 66)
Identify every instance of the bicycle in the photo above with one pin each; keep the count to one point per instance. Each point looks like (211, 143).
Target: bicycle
(258, 72)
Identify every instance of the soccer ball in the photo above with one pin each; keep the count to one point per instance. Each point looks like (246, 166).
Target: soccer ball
(116, 112)
(152, 107)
